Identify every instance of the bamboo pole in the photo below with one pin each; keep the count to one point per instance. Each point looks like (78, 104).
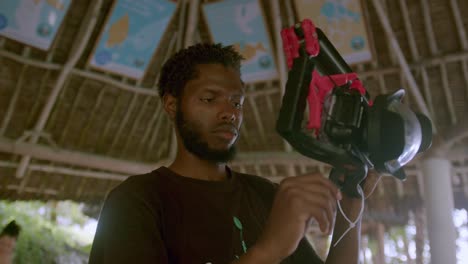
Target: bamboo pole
(413, 87)
(76, 52)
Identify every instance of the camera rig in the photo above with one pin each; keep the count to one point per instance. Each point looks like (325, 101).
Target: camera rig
(345, 128)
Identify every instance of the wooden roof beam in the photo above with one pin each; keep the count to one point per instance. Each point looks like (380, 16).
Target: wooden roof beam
(448, 93)
(409, 30)
(401, 59)
(151, 91)
(14, 99)
(43, 86)
(393, 56)
(258, 119)
(33, 190)
(35, 63)
(181, 24)
(433, 61)
(115, 83)
(434, 51)
(138, 123)
(428, 27)
(96, 106)
(465, 75)
(69, 171)
(157, 129)
(276, 14)
(149, 127)
(282, 71)
(88, 160)
(172, 44)
(427, 92)
(192, 23)
(124, 167)
(123, 122)
(459, 24)
(75, 103)
(76, 52)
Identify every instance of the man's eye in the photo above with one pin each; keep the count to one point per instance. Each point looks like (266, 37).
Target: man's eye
(207, 100)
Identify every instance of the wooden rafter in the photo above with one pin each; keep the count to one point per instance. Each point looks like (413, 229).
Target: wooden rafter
(431, 40)
(409, 30)
(14, 100)
(76, 53)
(459, 24)
(90, 120)
(123, 122)
(413, 87)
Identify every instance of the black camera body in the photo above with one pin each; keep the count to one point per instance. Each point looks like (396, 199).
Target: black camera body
(351, 132)
(343, 123)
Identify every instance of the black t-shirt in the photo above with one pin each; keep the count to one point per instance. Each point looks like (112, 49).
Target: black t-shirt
(162, 217)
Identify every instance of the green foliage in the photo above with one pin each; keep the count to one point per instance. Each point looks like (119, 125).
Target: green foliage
(41, 239)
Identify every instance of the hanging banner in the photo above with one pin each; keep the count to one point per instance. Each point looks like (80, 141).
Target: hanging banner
(343, 24)
(131, 36)
(241, 23)
(32, 22)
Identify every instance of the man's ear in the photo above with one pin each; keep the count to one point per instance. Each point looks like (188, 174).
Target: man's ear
(170, 105)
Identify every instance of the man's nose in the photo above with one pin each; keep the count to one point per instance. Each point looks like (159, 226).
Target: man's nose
(229, 113)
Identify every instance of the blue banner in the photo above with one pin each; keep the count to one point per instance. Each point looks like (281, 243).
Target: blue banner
(241, 23)
(343, 23)
(131, 35)
(32, 22)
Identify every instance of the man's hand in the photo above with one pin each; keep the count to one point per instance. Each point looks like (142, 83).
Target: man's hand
(298, 200)
(347, 250)
(372, 179)
(352, 205)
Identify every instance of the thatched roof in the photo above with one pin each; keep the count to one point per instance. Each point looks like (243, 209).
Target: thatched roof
(68, 131)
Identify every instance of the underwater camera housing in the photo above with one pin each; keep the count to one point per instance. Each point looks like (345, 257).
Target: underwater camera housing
(350, 132)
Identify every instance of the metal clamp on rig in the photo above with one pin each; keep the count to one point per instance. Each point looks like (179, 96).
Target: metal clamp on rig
(345, 128)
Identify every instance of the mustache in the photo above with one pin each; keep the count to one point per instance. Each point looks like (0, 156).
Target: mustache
(227, 127)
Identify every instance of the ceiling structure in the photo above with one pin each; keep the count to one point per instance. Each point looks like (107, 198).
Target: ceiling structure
(68, 131)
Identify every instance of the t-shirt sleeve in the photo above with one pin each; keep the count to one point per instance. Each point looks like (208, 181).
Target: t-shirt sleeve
(127, 232)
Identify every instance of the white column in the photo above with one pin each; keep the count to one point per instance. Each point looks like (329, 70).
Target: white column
(439, 207)
(381, 243)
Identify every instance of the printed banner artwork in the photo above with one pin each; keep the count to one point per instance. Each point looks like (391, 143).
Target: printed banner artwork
(32, 22)
(343, 24)
(131, 36)
(241, 23)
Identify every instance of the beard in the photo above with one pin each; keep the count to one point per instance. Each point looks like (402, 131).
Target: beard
(193, 141)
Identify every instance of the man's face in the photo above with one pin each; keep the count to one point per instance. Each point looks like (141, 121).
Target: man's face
(209, 112)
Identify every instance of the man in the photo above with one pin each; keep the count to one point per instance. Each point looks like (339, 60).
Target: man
(197, 210)
(8, 239)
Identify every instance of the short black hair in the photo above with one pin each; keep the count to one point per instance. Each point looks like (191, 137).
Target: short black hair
(12, 229)
(181, 67)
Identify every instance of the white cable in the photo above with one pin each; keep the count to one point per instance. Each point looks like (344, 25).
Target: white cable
(351, 223)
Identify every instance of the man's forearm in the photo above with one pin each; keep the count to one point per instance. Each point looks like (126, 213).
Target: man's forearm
(347, 250)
